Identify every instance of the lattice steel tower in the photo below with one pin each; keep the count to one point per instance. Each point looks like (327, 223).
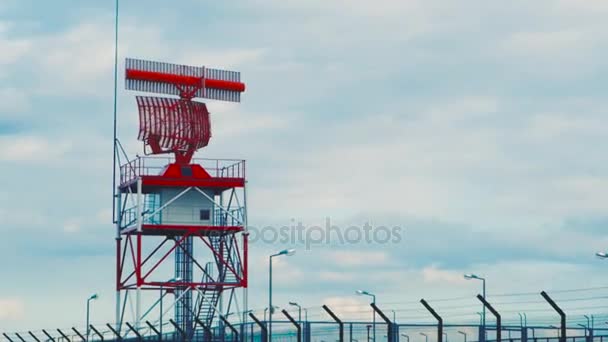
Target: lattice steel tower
(191, 210)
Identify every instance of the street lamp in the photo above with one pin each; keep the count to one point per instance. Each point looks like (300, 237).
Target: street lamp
(266, 310)
(288, 252)
(590, 321)
(584, 327)
(162, 295)
(92, 297)
(464, 334)
(426, 337)
(406, 336)
(299, 311)
(473, 276)
(366, 293)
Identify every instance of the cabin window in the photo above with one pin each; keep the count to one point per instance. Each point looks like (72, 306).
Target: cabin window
(205, 214)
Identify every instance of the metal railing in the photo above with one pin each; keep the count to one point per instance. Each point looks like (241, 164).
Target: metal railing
(155, 166)
(312, 331)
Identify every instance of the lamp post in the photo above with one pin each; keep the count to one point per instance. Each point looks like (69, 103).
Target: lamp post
(366, 293)
(584, 327)
(473, 276)
(446, 336)
(394, 317)
(590, 322)
(299, 311)
(92, 297)
(160, 304)
(426, 337)
(266, 310)
(464, 334)
(287, 252)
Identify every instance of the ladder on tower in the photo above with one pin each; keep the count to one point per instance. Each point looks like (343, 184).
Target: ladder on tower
(208, 297)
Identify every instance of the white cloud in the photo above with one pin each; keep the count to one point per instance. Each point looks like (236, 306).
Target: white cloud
(336, 276)
(31, 149)
(72, 226)
(11, 309)
(229, 120)
(357, 258)
(13, 102)
(434, 274)
(12, 49)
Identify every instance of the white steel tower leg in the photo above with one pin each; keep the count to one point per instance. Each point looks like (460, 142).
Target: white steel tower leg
(221, 251)
(139, 228)
(245, 289)
(118, 238)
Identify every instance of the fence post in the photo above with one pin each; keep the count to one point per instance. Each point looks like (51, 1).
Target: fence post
(96, 332)
(496, 314)
(178, 329)
(438, 318)
(307, 331)
(118, 337)
(235, 333)
(134, 330)
(340, 323)
(208, 332)
(48, 335)
(262, 327)
(390, 331)
(33, 336)
(63, 335)
(298, 328)
(153, 328)
(560, 312)
(79, 334)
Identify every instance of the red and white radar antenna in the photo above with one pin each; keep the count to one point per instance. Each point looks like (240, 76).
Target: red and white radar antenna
(179, 126)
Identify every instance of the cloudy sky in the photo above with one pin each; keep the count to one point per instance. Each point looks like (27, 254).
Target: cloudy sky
(476, 126)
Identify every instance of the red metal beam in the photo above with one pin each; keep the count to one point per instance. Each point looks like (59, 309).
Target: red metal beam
(189, 81)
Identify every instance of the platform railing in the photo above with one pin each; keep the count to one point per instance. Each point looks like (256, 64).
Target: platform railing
(154, 166)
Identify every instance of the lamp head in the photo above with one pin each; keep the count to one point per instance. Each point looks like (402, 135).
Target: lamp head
(294, 304)
(470, 276)
(602, 255)
(362, 293)
(93, 296)
(288, 252)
